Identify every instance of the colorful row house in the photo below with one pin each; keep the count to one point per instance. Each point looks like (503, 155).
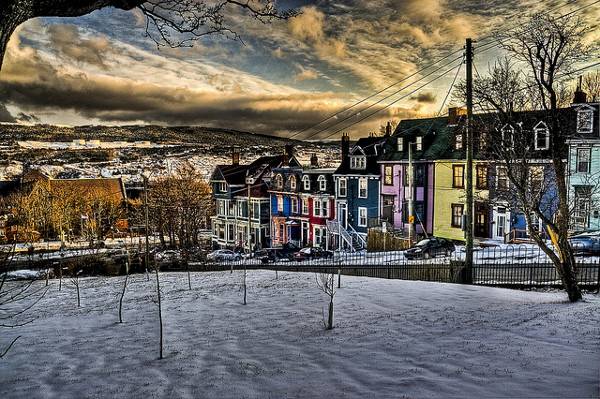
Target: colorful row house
(435, 148)
(302, 203)
(243, 218)
(584, 165)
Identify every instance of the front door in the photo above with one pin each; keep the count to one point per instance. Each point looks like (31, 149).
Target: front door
(343, 214)
(481, 220)
(387, 212)
(305, 233)
(501, 219)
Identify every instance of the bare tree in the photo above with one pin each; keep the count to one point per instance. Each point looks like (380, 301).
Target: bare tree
(591, 85)
(75, 281)
(16, 298)
(124, 287)
(172, 23)
(542, 51)
(326, 283)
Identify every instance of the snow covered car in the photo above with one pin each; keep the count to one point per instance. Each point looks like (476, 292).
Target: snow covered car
(585, 245)
(221, 255)
(312, 253)
(430, 247)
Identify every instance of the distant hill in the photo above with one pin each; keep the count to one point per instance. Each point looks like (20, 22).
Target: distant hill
(161, 134)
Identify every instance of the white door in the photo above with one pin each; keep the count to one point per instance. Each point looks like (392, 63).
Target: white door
(501, 222)
(343, 214)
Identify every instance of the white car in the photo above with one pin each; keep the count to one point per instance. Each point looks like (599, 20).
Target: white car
(221, 255)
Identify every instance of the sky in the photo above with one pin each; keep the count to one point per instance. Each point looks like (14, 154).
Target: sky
(280, 79)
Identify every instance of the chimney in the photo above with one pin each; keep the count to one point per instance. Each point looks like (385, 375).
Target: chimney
(314, 161)
(235, 156)
(579, 96)
(289, 150)
(345, 147)
(388, 129)
(454, 114)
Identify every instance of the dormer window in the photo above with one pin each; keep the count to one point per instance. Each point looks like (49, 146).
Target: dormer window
(306, 182)
(458, 141)
(279, 182)
(542, 136)
(223, 187)
(508, 133)
(419, 143)
(292, 182)
(358, 162)
(322, 183)
(399, 144)
(585, 120)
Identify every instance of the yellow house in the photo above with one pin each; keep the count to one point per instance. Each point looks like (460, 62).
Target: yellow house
(449, 194)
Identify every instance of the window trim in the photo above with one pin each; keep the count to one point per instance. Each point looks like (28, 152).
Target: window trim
(294, 205)
(366, 181)
(591, 127)
(507, 185)
(293, 182)
(462, 212)
(306, 182)
(322, 180)
(305, 207)
(578, 162)
(359, 224)
(387, 175)
(454, 168)
(358, 162)
(541, 127)
(345, 180)
(478, 184)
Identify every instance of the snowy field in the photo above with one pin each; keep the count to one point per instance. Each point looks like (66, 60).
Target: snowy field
(392, 339)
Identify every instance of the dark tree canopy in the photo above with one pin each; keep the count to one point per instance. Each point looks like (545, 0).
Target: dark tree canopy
(173, 23)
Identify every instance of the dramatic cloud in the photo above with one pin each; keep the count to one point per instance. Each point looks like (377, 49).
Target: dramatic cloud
(426, 98)
(306, 74)
(69, 43)
(5, 116)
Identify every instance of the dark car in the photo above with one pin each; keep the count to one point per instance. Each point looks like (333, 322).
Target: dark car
(269, 255)
(585, 245)
(430, 247)
(312, 253)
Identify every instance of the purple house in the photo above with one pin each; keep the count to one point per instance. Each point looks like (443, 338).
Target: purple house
(416, 135)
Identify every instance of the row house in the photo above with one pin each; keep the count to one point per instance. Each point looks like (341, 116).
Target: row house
(584, 165)
(242, 219)
(357, 189)
(302, 202)
(437, 148)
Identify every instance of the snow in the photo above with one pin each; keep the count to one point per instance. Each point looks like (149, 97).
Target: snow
(392, 339)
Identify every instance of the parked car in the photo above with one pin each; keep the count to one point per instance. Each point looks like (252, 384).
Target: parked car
(430, 247)
(585, 245)
(221, 255)
(312, 253)
(286, 251)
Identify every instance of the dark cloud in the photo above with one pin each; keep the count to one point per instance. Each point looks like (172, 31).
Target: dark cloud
(27, 118)
(424, 98)
(5, 116)
(69, 43)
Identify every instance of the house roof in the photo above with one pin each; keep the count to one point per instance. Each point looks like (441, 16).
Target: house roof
(372, 147)
(236, 174)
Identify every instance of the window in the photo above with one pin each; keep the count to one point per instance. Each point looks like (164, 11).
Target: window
(221, 207)
(322, 183)
(501, 178)
(388, 175)
(230, 232)
(305, 206)
(542, 136)
(458, 141)
(362, 217)
(508, 133)
(279, 203)
(536, 177)
(320, 236)
(255, 210)
(306, 182)
(240, 208)
(358, 162)
(583, 160)
(317, 207)
(399, 144)
(342, 186)
(585, 121)
(325, 208)
(294, 205)
(419, 175)
(419, 143)
(279, 182)
(223, 187)
(583, 196)
(458, 176)
(292, 182)
(362, 187)
(481, 182)
(457, 213)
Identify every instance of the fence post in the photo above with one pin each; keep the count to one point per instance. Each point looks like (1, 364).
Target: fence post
(598, 278)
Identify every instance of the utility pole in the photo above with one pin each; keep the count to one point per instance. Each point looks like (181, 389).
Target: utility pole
(469, 150)
(146, 221)
(411, 202)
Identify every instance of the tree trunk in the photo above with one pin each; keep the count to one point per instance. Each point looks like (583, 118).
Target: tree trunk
(330, 315)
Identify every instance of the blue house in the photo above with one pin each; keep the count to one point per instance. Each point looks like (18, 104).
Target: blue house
(584, 165)
(357, 189)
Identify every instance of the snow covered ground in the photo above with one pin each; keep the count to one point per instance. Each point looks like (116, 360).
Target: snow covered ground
(392, 339)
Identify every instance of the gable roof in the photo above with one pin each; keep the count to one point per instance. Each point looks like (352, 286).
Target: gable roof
(372, 148)
(236, 174)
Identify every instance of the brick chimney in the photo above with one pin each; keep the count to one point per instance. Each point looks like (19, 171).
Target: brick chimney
(388, 129)
(454, 114)
(579, 96)
(314, 161)
(235, 156)
(345, 148)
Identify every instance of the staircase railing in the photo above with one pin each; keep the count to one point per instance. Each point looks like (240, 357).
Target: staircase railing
(335, 227)
(357, 237)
